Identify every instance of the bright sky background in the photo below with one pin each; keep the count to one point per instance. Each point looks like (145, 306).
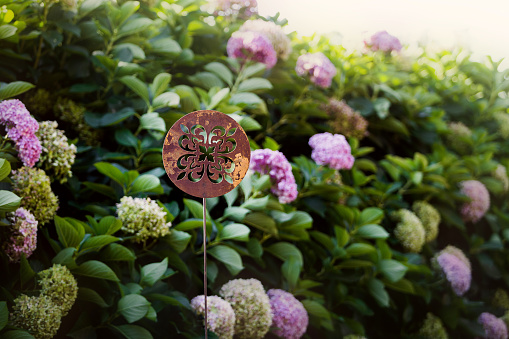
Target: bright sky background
(481, 26)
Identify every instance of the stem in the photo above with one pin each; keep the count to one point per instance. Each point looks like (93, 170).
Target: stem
(205, 260)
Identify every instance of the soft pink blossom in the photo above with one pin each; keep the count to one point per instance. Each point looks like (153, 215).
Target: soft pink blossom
(383, 41)
(475, 209)
(249, 45)
(332, 150)
(289, 315)
(319, 68)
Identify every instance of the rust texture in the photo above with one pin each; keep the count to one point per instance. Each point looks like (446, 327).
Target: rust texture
(206, 153)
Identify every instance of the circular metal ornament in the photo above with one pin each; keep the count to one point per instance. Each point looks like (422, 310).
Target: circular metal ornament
(206, 153)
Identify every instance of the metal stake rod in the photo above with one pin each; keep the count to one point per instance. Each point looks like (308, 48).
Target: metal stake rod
(205, 261)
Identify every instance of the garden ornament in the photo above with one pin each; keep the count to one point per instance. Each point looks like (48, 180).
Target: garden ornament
(206, 154)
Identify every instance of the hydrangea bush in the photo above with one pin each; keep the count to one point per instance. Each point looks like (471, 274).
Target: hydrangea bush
(375, 205)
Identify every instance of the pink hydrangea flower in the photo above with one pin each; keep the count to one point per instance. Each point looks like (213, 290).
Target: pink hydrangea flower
(21, 127)
(250, 45)
(494, 327)
(383, 41)
(274, 163)
(289, 315)
(480, 200)
(220, 315)
(23, 235)
(320, 69)
(332, 150)
(456, 272)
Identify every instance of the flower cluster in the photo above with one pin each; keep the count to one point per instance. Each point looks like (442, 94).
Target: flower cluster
(253, 314)
(22, 235)
(502, 120)
(34, 187)
(21, 127)
(433, 328)
(500, 173)
(70, 112)
(430, 218)
(344, 120)
(409, 230)
(501, 299)
(57, 155)
(383, 41)
(494, 328)
(273, 32)
(474, 210)
(254, 46)
(39, 102)
(458, 137)
(142, 217)
(274, 163)
(332, 150)
(456, 267)
(320, 69)
(37, 315)
(59, 284)
(220, 315)
(242, 9)
(289, 315)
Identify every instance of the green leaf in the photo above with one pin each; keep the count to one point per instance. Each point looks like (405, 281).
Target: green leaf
(188, 99)
(249, 99)
(133, 332)
(196, 208)
(97, 120)
(178, 240)
(108, 225)
(372, 232)
(111, 172)
(95, 269)
(377, 290)
(7, 31)
(218, 97)
(152, 121)
(291, 271)
(96, 242)
(371, 215)
(206, 80)
(89, 5)
(342, 236)
(87, 294)
(284, 251)
(66, 257)
(221, 71)
(160, 83)
(261, 221)
(256, 204)
(402, 285)
(117, 252)
(133, 307)
(5, 168)
(231, 196)
(133, 26)
(127, 9)
(235, 232)
(382, 106)
(249, 124)
(17, 334)
(67, 233)
(166, 99)
(8, 201)
(26, 272)
(393, 270)
(254, 84)
(254, 69)
(145, 183)
(126, 138)
(133, 49)
(14, 88)
(166, 46)
(316, 309)
(189, 224)
(358, 249)
(137, 86)
(151, 273)
(4, 314)
(229, 257)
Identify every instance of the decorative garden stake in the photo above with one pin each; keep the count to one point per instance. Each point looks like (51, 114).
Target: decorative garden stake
(206, 154)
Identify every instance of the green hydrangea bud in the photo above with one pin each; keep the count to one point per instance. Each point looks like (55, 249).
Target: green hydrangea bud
(430, 218)
(59, 284)
(457, 139)
(502, 120)
(500, 173)
(253, 314)
(409, 230)
(142, 217)
(38, 315)
(38, 102)
(74, 114)
(34, 187)
(433, 328)
(57, 155)
(354, 336)
(501, 299)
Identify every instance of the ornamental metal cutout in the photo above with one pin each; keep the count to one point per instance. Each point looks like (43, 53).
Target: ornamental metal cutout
(206, 153)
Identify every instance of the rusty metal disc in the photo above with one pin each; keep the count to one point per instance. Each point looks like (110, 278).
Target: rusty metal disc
(206, 153)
